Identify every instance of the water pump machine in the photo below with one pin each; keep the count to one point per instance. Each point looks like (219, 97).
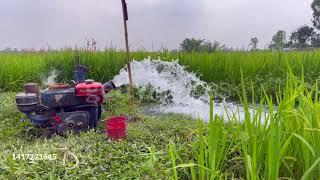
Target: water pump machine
(62, 107)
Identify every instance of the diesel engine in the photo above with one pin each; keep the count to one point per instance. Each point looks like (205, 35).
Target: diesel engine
(62, 107)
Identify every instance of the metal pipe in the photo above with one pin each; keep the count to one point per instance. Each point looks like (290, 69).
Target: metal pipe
(108, 86)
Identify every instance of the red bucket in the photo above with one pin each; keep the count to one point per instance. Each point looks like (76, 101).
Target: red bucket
(116, 127)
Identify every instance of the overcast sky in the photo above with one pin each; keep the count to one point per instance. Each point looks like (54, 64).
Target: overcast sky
(61, 23)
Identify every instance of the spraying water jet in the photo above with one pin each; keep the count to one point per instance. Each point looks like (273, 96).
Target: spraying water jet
(179, 91)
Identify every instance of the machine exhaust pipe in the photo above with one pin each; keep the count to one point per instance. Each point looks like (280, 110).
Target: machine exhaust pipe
(32, 88)
(109, 86)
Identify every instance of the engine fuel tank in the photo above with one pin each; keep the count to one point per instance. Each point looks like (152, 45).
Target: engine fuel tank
(93, 91)
(90, 88)
(61, 98)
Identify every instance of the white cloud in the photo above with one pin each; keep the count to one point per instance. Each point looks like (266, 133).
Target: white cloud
(26, 23)
(235, 21)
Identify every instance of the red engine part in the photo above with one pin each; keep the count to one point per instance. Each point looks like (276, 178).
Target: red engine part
(92, 91)
(57, 118)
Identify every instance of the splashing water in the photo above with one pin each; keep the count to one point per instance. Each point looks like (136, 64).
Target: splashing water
(181, 85)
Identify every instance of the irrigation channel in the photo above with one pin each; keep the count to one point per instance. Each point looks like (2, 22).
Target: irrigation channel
(177, 90)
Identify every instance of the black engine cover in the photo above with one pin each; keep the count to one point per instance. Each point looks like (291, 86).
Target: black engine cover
(73, 121)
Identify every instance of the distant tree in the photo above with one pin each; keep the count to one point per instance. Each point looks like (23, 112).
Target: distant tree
(254, 43)
(94, 44)
(315, 40)
(301, 38)
(278, 40)
(208, 46)
(7, 49)
(316, 13)
(192, 44)
(200, 45)
(217, 46)
(292, 39)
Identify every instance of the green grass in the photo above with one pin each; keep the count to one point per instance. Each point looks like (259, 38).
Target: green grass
(285, 146)
(265, 69)
(142, 155)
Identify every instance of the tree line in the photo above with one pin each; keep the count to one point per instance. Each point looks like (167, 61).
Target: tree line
(303, 37)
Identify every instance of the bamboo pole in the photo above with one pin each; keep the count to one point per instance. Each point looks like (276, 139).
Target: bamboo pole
(125, 19)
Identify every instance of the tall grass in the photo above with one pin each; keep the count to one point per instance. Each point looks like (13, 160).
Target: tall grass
(283, 146)
(267, 69)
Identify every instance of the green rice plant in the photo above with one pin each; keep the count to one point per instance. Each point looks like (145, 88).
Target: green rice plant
(279, 139)
(284, 144)
(223, 69)
(210, 150)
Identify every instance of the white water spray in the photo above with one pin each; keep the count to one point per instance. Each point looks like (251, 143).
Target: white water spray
(172, 77)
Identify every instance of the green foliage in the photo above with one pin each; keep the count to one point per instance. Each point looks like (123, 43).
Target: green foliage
(254, 43)
(316, 13)
(302, 37)
(191, 45)
(315, 40)
(220, 69)
(284, 145)
(278, 40)
(117, 104)
(143, 155)
(200, 45)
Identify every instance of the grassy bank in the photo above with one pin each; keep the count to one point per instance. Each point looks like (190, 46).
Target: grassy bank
(223, 70)
(142, 155)
(283, 145)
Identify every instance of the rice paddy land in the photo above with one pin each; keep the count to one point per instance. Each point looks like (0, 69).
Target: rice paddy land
(223, 70)
(285, 144)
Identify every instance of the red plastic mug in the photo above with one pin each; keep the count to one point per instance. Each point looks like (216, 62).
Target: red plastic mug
(116, 127)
